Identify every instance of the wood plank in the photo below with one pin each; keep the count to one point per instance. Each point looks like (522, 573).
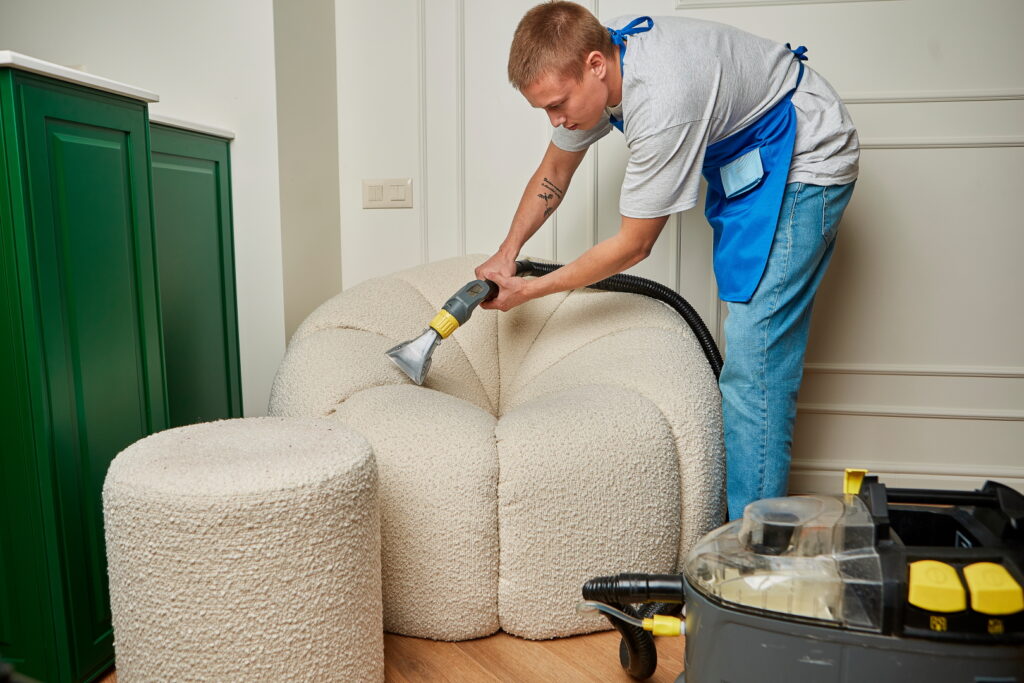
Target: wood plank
(513, 660)
(505, 658)
(408, 660)
(599, 653)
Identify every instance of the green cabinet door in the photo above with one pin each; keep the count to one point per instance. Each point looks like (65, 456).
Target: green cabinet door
(192, 207)
(86, 330)
(26, 633)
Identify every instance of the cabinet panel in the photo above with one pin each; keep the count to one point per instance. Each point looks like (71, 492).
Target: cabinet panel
(91, 243)
(192, 209)
(26, 633)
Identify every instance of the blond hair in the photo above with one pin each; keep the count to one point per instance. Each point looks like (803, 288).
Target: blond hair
(555, 37)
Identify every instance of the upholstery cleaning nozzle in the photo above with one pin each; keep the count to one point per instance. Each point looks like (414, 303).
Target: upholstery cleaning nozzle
(413, 356)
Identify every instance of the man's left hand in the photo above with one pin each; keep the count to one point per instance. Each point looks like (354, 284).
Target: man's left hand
(512, 291)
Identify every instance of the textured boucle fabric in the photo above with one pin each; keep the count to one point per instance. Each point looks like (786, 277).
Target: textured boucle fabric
(245, 550)
(640, 344)
(577, 435)
(439, 524)
(589, 486)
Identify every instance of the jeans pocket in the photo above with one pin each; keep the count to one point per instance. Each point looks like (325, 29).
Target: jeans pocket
(833, 203)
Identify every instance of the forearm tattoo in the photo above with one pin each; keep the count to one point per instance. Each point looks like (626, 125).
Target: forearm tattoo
(553, 192)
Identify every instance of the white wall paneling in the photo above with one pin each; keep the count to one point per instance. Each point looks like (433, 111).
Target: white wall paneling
(914, 365)
(378, 132)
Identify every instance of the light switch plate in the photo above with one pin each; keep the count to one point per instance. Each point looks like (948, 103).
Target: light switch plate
(387, 193)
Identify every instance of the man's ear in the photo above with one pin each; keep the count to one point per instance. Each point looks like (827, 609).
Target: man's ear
(598, 63)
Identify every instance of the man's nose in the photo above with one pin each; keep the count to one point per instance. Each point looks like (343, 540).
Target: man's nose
(556, 119)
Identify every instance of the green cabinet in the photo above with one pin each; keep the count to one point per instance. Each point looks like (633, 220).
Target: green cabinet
(81, 359)
(192, 206)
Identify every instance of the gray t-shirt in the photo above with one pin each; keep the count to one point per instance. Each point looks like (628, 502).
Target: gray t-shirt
(689, 83)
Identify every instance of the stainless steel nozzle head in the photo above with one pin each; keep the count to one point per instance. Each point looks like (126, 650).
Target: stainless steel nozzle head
(413, 356)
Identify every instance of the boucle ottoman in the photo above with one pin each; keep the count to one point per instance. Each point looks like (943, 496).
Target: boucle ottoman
(577, 435)
(246, 550)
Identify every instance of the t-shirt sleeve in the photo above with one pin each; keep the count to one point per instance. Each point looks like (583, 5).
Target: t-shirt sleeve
(578, 140)
(663, 172)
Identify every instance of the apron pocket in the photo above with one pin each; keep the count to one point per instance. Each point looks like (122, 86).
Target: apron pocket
(742, 174)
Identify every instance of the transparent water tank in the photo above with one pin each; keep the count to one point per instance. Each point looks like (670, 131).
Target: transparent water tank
(812, 557)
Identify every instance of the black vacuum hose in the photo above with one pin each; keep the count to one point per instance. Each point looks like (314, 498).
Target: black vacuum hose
(637, 652)
(634, 284)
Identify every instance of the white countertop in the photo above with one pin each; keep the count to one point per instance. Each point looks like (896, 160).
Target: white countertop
(189, 125)
(17, 60)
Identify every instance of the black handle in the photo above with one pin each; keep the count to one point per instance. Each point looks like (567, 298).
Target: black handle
(523, 267)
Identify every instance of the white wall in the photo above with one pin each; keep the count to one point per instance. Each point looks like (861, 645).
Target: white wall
(916, 362)
(211, 63)
(307, 137)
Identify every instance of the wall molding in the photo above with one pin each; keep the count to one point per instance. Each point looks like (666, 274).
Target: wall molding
(712, 4)
(553, 219)
(801, 465)
(677, 282)
(921, 412)
(421, 128)
(460, 122)
(967, 470)
(983, 372)
(942, 143)
(928, 97)
(715, 306)
(595, 208)
(595, 192)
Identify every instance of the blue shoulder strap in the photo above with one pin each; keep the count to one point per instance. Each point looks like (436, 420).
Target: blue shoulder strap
(635, 26)
(801, 54)
(619, 39)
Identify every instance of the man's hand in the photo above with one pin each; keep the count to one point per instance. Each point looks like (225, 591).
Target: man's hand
(502, 264)
(512, 291)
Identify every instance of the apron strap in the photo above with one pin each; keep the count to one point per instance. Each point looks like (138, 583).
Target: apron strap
(801, 55)
(635, 26)
(619, 39)
(800, 52)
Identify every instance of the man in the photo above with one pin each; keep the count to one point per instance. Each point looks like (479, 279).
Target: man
(779, 153)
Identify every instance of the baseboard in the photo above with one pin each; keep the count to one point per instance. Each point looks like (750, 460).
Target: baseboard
(810, 477)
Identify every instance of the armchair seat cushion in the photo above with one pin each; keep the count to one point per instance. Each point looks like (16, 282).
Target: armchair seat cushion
(577, 435)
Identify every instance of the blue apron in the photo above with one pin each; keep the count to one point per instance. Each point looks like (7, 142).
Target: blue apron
(746, 175)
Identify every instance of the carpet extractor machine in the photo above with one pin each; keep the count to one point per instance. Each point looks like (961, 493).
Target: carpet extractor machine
(877, 585)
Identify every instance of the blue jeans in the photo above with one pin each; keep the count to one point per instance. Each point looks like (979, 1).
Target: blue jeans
(765, 343)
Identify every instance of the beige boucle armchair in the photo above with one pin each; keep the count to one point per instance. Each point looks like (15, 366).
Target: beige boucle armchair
(577, 435)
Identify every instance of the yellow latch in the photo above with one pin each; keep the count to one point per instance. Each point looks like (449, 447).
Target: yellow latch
(993, 590)
(663, 625)
(852, 480)
(935, 586)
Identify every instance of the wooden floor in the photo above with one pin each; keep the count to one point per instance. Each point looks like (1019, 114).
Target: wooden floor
(504, 658)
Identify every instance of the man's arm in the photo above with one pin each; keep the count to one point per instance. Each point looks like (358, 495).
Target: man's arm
(632, 244)
(541, 197)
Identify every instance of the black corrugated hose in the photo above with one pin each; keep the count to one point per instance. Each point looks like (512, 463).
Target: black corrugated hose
(663, 594)
(634, 284)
